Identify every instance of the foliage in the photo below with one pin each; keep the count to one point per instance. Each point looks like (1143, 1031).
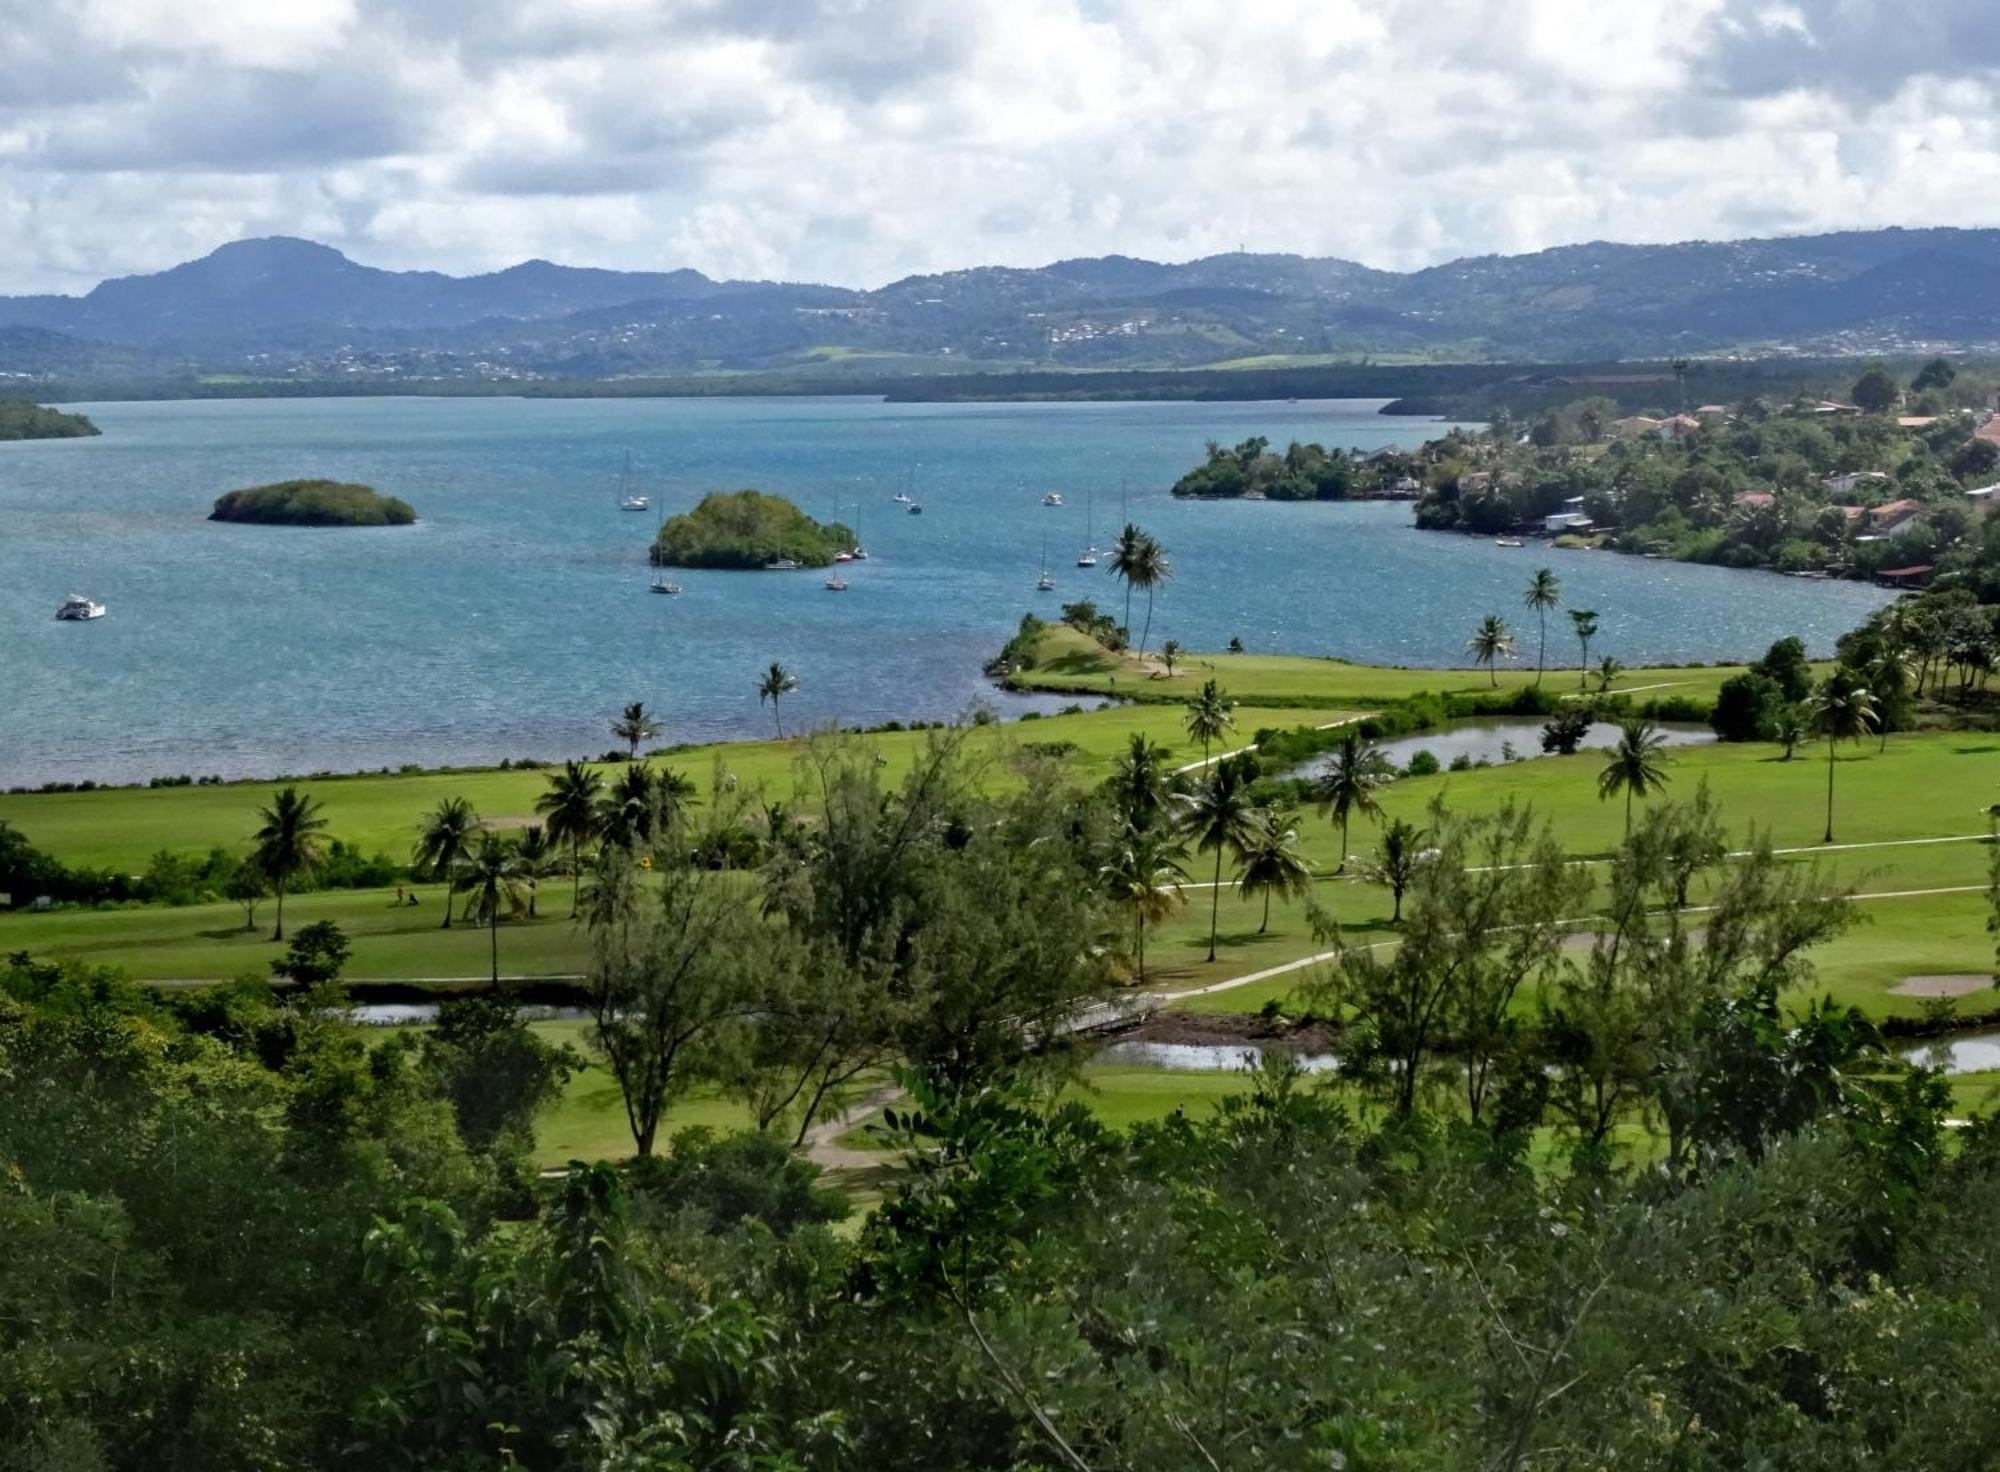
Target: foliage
(314, 956)
(312, 503)
(748, 529)
(22, 420)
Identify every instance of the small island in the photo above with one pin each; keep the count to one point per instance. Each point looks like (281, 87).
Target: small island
(1251, 471)
(22, 420)
(312, 503)
(748, 529)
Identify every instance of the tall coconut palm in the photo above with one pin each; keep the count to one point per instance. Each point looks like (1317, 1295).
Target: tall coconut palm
(1584, 621)
(1127, 553)
(1148, 876)
(1890, 674)
(287, 843)
(1346, 785)
(1490, 643)
(1544, 592)
(445, 839)
(491, 876)
(1208, 717)
(1841, 709)
(1141, 784)
(1143, 563)
(1217, 815)
(534, 852)
(1271, 860)
(1634, 766)
(776, 683)
(570, 807)
(635, 724)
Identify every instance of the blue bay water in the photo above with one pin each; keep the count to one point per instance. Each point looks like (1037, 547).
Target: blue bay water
(515, 618)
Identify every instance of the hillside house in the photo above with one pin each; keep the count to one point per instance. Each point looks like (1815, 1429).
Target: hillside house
(1893, 517)
(1677, 426)
(1632, 424)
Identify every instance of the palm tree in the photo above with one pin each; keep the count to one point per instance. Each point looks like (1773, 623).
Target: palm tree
(1141, 783)
(1397, 860)
(491, 874)
(1491, 642)
(1608, 670)
(1127, 553)
(1788, 729)
(1634, 766)
(1217, 815)
(1346, 784)
(1544, 592)
(287, 843)
(1208, 717)
(1169, 653)
(635, 725)
(1148, 875)
(1890, 674)
(570, 806)
(1840, 710)
(776, 683)
(534, 852)
(1584, 621)
(1271, 862)
(1143, 565)
(444, 841)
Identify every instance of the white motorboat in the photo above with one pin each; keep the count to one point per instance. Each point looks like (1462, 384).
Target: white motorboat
(860, 553)
(1508, 542)
(903, 496)
(635, 503)
(1088, 559)
(782, 564)
(836, 584)
(76, 609)
(843, 557)
(1053, 498)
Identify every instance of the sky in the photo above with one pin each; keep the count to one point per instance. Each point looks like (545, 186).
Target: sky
(857, 141)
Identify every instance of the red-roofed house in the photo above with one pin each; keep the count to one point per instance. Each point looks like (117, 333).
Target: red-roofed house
(1893, 516)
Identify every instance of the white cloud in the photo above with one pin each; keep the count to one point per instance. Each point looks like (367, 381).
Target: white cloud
(856, 140)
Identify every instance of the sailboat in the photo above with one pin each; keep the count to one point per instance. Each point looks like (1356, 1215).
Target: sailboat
(627, 501)
(1045, 583)
(860, 552)
(1089, 558)
(661, 582)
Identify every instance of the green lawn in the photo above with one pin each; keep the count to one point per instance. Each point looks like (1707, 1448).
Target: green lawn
(1070, 661)
(122, 828)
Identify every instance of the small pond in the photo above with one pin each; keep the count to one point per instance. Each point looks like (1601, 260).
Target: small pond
(423, 1014)
(1203, 1057)
(1971, 1053)
(1488, 738)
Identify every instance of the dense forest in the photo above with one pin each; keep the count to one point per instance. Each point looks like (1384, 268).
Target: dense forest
(748, 529)
(23, 420)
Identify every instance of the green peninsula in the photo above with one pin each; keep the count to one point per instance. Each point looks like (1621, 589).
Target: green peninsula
(312, 503)
(748, 529)
(22, 420)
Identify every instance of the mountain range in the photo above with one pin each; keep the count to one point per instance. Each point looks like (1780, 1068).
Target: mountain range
(287, 308)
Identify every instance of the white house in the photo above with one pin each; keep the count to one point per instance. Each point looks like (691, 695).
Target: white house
(1844, 483)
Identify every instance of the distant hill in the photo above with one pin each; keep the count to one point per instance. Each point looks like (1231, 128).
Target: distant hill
(280, 307)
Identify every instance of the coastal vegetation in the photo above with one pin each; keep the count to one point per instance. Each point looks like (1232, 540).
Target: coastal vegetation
(1304, 472)
(1894, 477)
(21, 419)
(748, 529)
(312, 503)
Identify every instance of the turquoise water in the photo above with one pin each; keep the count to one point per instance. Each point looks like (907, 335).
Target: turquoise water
(515, 618)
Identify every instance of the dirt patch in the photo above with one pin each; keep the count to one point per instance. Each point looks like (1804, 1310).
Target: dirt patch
(1945, 984)
(1207, 1029)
